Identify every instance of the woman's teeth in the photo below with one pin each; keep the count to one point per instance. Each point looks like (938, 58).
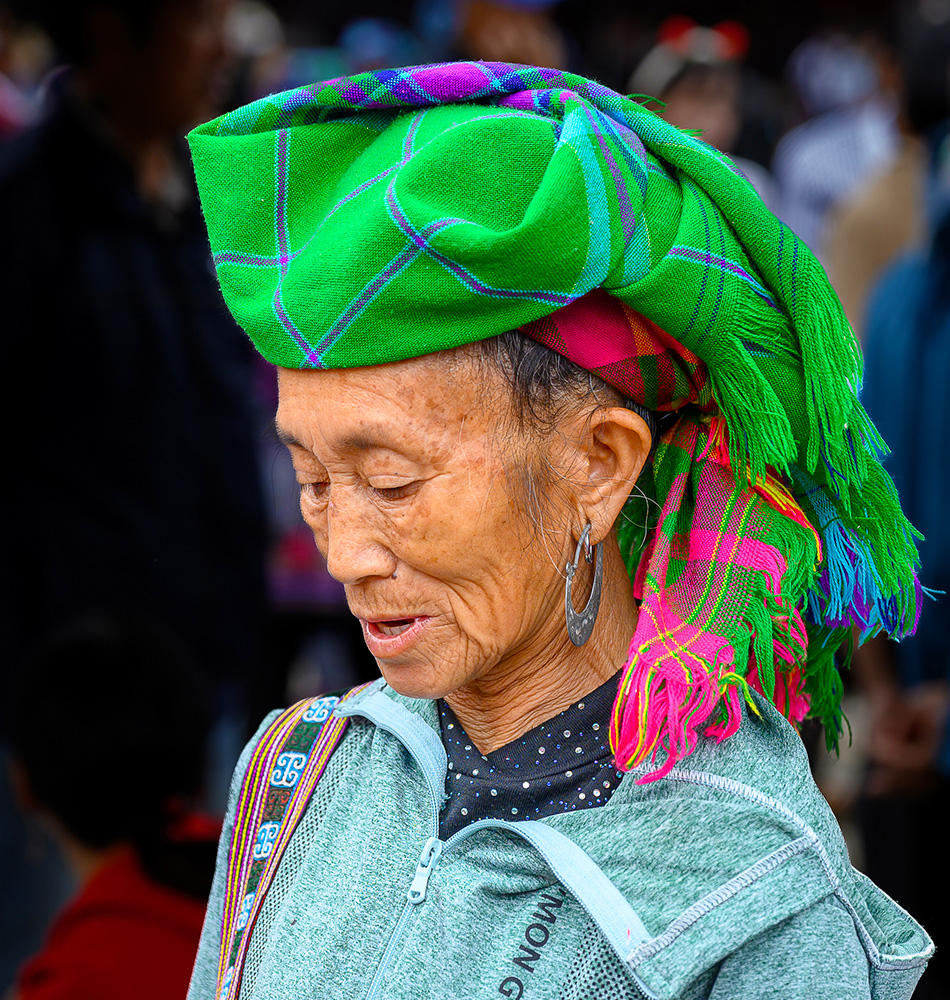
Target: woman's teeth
(395, 627)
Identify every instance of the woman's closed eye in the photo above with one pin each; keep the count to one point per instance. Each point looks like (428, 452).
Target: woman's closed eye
(314, 491)
(389, 488)
(384, 489)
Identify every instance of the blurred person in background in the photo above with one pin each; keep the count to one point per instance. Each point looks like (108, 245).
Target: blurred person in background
(122, 495)
(113, 768)
(847, 85)
(107, 279)
(520, 31)
(885, 215)
(696, 72)
(18, 107)
(903, 805)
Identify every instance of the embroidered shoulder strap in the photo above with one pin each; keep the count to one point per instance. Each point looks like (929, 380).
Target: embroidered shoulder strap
(284, 769)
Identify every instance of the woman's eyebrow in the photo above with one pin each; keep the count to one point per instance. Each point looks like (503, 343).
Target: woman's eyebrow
(285, 437)
(360, 441)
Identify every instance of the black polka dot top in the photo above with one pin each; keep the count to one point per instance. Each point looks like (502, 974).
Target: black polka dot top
(561, 765)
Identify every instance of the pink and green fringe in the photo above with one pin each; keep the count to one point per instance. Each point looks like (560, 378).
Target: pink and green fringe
(760, 598)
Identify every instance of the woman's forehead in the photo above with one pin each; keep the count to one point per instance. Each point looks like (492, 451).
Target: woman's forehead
(418, 402)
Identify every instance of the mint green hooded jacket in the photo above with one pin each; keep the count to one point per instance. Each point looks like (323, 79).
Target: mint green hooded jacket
(727, 879)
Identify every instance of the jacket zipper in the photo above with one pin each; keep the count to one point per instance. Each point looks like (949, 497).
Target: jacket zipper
(417, 893)
(428, 860)
(435, 848)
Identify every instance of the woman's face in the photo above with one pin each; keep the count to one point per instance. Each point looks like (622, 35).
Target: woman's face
(404, 472)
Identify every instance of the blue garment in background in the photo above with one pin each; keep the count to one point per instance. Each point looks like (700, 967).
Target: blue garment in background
(907, 393)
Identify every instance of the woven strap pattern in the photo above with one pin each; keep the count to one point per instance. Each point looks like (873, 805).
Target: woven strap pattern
(284, 769)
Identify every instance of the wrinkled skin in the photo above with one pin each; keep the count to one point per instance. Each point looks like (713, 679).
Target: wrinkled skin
(407, 476)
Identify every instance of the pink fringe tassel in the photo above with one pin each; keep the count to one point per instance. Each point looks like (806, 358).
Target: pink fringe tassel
(667, 692)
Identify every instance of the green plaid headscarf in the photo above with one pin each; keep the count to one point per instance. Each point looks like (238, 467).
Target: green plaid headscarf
(401, 212)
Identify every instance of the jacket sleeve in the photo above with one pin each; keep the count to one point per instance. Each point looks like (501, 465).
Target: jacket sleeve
(816, 953)
(204, 976)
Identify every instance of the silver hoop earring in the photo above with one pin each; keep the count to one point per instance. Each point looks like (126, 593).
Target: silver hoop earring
(580, 625)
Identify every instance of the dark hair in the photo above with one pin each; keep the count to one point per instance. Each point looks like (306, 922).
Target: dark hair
(545, 384)
(108, 720)
(545, 387)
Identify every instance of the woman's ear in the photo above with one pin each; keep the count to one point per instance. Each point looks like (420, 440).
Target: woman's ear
(613, 450)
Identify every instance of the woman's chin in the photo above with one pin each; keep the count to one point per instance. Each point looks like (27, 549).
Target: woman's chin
(415, 680)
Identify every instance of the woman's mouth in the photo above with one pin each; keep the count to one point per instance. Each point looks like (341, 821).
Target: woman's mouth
(386, 637)
(395, 627)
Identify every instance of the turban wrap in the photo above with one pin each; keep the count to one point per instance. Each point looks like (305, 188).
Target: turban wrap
(397, 213)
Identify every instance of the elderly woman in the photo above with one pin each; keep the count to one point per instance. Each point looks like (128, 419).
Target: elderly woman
(535, 343)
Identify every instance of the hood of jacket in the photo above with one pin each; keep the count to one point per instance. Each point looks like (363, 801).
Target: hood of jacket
(733, 841)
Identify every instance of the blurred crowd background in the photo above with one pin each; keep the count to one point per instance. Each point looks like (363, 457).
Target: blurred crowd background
(159, 593)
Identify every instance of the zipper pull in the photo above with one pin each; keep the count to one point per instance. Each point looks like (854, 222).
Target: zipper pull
(430, 856)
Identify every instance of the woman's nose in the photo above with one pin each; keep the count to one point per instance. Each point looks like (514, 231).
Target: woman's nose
(356, 547)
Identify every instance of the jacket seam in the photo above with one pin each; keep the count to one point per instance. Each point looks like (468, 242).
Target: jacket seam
(875, 958)
(716, 898)
(760, 798)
